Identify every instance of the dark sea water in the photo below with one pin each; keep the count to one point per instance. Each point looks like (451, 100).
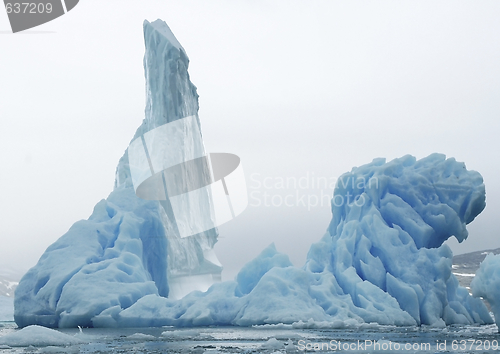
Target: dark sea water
(270, 339)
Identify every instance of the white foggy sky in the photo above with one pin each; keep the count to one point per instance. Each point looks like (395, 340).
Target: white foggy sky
(295, 88)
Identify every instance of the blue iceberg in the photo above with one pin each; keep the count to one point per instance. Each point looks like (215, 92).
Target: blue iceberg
(381, 260)
(486, 283)
(385, 245)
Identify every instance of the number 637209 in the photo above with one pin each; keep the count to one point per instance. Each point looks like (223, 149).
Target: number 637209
(28, 8)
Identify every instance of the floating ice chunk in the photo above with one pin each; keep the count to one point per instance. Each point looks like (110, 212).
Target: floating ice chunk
(273, 343)
(38, 336)
(486, 283)
(188, 333)
(141, 337)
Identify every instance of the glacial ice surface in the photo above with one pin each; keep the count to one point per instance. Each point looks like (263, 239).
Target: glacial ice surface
(381, 260)
(486, 283)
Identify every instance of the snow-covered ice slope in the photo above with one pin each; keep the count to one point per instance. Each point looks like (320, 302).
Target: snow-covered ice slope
(486, 283)
(382, 259)
(128, 248)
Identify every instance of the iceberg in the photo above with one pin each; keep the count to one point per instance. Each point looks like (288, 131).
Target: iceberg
(38, 336)
(129, 247)
(385, 242)
(6, 308)
(382, 259)
(486, 283)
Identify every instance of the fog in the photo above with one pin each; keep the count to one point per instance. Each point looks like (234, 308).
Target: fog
(299, 90)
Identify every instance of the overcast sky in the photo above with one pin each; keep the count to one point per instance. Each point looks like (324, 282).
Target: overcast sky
(302, 90)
